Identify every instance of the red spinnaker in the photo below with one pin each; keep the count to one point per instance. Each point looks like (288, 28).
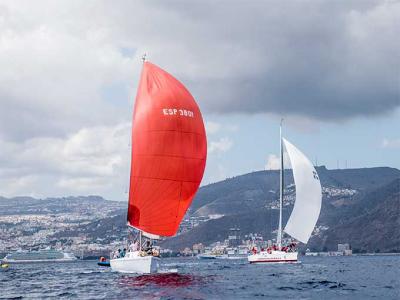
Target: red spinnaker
(169, 151)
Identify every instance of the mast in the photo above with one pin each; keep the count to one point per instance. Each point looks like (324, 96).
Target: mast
(279, 238)
(140, 240)
(140, 231)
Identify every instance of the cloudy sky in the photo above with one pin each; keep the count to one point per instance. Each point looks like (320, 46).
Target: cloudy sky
(69, 72)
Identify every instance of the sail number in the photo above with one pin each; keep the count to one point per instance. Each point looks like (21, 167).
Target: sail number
(177, 111)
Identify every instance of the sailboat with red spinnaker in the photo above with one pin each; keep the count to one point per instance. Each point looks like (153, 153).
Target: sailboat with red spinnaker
(169, 151)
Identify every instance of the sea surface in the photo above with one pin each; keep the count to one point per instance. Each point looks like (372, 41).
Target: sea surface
(356, 277)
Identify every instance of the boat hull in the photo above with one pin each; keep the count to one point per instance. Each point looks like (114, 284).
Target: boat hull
(233, 257)
(206, 256)
(135, 264)
(273, 257)
(40, 256)
(104, 263)
(35, 261)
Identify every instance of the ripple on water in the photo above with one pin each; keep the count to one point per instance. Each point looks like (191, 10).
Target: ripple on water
(315, 278)
(288, 288)
(167, 279)
(322, 283)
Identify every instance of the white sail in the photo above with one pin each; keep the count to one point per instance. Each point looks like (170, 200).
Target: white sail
(151, 236)
(307, 206)
(146, 234)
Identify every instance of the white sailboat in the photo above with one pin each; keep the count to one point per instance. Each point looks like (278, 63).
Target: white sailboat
(306, 209)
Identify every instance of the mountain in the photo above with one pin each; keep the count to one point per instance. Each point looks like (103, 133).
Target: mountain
(371, 224)
(359, 206)
(82, 205)
(26, 222)
(251, 191)
(250, 203)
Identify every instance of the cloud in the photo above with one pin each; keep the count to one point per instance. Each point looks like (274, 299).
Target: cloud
(212, 127)
(52, 78)
(274, 162)
(70, 70)
(77, 65)
(338, 61)
(91, 160)
(215, 127)
(83, 184)
(220, 146)
(391, 143)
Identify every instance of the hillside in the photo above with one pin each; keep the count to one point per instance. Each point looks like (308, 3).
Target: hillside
(251, 191)
(250, 202)
(360, 206)
(26, 222)
(82, 205)
(371, 224)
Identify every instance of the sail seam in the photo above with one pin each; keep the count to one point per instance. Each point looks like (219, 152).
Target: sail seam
(164, 155)
(164, 179)
(174, 130)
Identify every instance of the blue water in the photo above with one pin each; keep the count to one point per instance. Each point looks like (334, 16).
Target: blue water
(362, 277)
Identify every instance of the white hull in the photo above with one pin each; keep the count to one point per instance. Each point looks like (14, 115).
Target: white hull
(136, 264)
(206, 256)
(273, 257)
(34, 257)
(231, 257)
(28, 261)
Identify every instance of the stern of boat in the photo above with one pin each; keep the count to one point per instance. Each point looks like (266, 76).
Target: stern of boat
(135, 264)
(273, 257)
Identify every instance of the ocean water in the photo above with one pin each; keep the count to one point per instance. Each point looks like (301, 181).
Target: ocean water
(357, 277)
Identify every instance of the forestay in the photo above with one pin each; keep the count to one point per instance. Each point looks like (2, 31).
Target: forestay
(307, 206)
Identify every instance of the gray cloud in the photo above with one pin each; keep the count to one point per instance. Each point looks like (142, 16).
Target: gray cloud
(71, 68)
(315, 59)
